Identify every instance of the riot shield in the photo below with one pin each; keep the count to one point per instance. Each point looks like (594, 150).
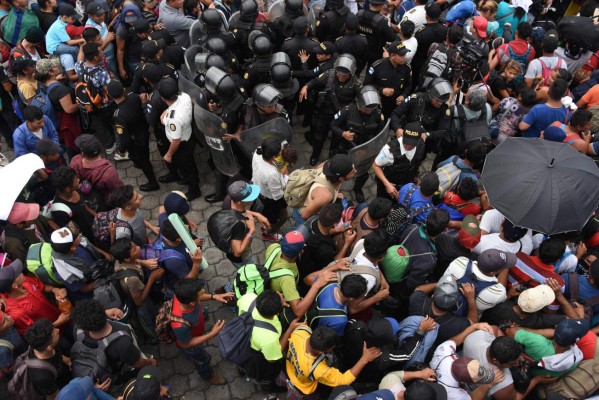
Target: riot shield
(313, 15)
(197, 32)
(213, 128)
(252, 138)
(363, 156)
(276, 10)
(193, 90)
(233, 20)
(190, 70)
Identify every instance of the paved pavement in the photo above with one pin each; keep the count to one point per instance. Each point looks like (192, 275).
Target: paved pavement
(177, 371)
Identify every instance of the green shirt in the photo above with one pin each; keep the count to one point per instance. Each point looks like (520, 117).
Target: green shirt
(537, 347)
(285, 284)
(262, 340)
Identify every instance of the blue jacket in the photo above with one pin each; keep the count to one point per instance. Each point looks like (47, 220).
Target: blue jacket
(407, 328)
(461, 12)
(25, 141)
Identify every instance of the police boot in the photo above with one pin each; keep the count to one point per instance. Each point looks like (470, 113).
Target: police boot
(221, 189)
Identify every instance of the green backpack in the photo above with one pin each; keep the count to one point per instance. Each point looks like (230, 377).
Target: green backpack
(39, 262)
(255, 278)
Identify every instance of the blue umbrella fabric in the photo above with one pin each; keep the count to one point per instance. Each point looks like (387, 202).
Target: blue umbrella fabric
(541, 185)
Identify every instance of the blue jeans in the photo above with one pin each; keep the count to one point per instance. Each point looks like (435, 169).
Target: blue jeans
(201, 360)
(251, 260)
(66, 49)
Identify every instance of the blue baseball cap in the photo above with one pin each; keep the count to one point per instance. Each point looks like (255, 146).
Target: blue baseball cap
(243, 191)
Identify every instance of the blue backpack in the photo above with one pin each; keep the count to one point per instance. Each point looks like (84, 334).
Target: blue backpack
(41, 101)
(479, 286)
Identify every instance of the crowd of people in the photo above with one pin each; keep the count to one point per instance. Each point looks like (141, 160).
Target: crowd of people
(421, 290)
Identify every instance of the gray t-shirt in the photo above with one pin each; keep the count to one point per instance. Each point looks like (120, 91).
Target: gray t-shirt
(536, 68)
(475, 346)
(138, 225)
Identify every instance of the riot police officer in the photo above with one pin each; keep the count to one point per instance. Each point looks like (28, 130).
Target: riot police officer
(203, 62)
(353, 43)
(282, 26)
(241, 28)
(281, 79)
(258, 70)
(428, 108)
(177, 119)
(375, 27)
(226, 101)
(263, 106)
(131, 131)
(214, 28)
(151, 53)
(392, 76)
(300, 41)
(219, 47)
(336, 89)
(329, 25)
(357, 123)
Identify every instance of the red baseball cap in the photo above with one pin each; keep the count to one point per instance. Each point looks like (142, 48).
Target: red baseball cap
(22, 212)
(480, 24)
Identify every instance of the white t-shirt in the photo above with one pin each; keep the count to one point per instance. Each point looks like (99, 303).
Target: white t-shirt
(491, 221)
(268, 178)
(411, 44)
(488, 297)
(386, 158)
(475, 346)
(493, 241)
(362, 260)
(443, 359)
(535, 67)
(417, 15)
(178, 118)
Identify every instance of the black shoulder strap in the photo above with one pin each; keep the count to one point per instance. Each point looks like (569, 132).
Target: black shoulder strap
(573, 286)
(461, 112)
(260, 324)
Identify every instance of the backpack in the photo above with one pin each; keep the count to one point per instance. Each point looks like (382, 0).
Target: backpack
(234, 339)
(255, 278)
(19, 385)
(546, 71)
(479, 286)
(403, 215)
(316, 313)
(109, 293)
(40, 263)
(476, 129)
(101, 226)
(436, 66)
(449, 176)
(574, 294)
(43, 102)
(220, 228)
(88, 356)
(52, 206)
(299, 184)
(164, 331)
(523, 60)
(89, 97)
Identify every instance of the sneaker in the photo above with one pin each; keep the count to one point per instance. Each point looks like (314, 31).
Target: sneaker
(271, 237)
(217, 380)
(111, 150)
(119, 157)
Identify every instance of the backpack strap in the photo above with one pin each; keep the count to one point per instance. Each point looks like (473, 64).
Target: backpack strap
(6, 343)
(272, 257)
(318, 360)
(260, 324)
(406, 201)
(573, 286)
(175, 318)
(35, 363)
(107, 341)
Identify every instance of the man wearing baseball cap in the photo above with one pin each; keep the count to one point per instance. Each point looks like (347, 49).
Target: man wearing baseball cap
(488, 290)
(23, 229)
(325, 189)
(58, 40)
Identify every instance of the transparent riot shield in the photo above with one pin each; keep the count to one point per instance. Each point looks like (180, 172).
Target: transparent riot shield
(363, 155)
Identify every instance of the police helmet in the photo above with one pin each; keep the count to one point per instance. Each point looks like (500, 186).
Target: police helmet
(259, 43)
(440, 89)
(294, 7)
(280, 73)
(217, 46)
(345, 64)
(369, 97)
(334, 4)
(212, 19)
(219, 83)
(280, 58)
(214, 60)
(266, 95)
(248, 10)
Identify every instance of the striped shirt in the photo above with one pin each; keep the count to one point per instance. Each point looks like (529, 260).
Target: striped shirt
(530, 271)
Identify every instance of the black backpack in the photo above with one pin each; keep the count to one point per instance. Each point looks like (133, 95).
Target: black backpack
(479, 286)
(19, 385)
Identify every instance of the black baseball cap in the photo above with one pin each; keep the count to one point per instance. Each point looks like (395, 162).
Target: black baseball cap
(89, 145)
(94, 9)
(115, 89)
(168, 89)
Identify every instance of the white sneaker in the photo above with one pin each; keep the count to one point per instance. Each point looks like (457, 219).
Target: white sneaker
(119, 157)
(111, 150)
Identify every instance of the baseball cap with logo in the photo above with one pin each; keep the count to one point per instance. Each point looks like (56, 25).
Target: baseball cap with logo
(293, 243)
(550, 41)
(324, 48)
(398, 47)
(470, 371)
(243, 191)
(62, 236)
(493, 260)
(570, 331)
(412, 133)
(340, 165)
(147, 384)
(446, 294)
(469, 235)
(480, 25)
(535, 299)
(94, 9)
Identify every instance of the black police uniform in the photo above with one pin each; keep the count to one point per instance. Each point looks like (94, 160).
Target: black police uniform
(434, 32)
(242, 32)
(403, 170)
(256, 72)
(292, 47)
(365, 128)
(382, 75)
(330, 24)
(154, 109)
(253, 117)
(131, 130)
(377, 31)
(332, 97)
(166, 70)
(355, 44)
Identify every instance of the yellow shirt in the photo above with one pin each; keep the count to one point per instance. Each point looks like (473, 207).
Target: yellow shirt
(299, 362)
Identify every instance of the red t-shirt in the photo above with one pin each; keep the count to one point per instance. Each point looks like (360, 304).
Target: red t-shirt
(29, 308)
(465, 207)
(587, 345)
(183, 332)
(531, 272)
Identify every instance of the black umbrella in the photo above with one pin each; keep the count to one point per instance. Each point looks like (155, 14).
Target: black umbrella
(541, 185)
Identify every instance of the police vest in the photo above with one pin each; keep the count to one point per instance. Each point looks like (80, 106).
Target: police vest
(402, 170)
(368, 21)
(364, 126)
